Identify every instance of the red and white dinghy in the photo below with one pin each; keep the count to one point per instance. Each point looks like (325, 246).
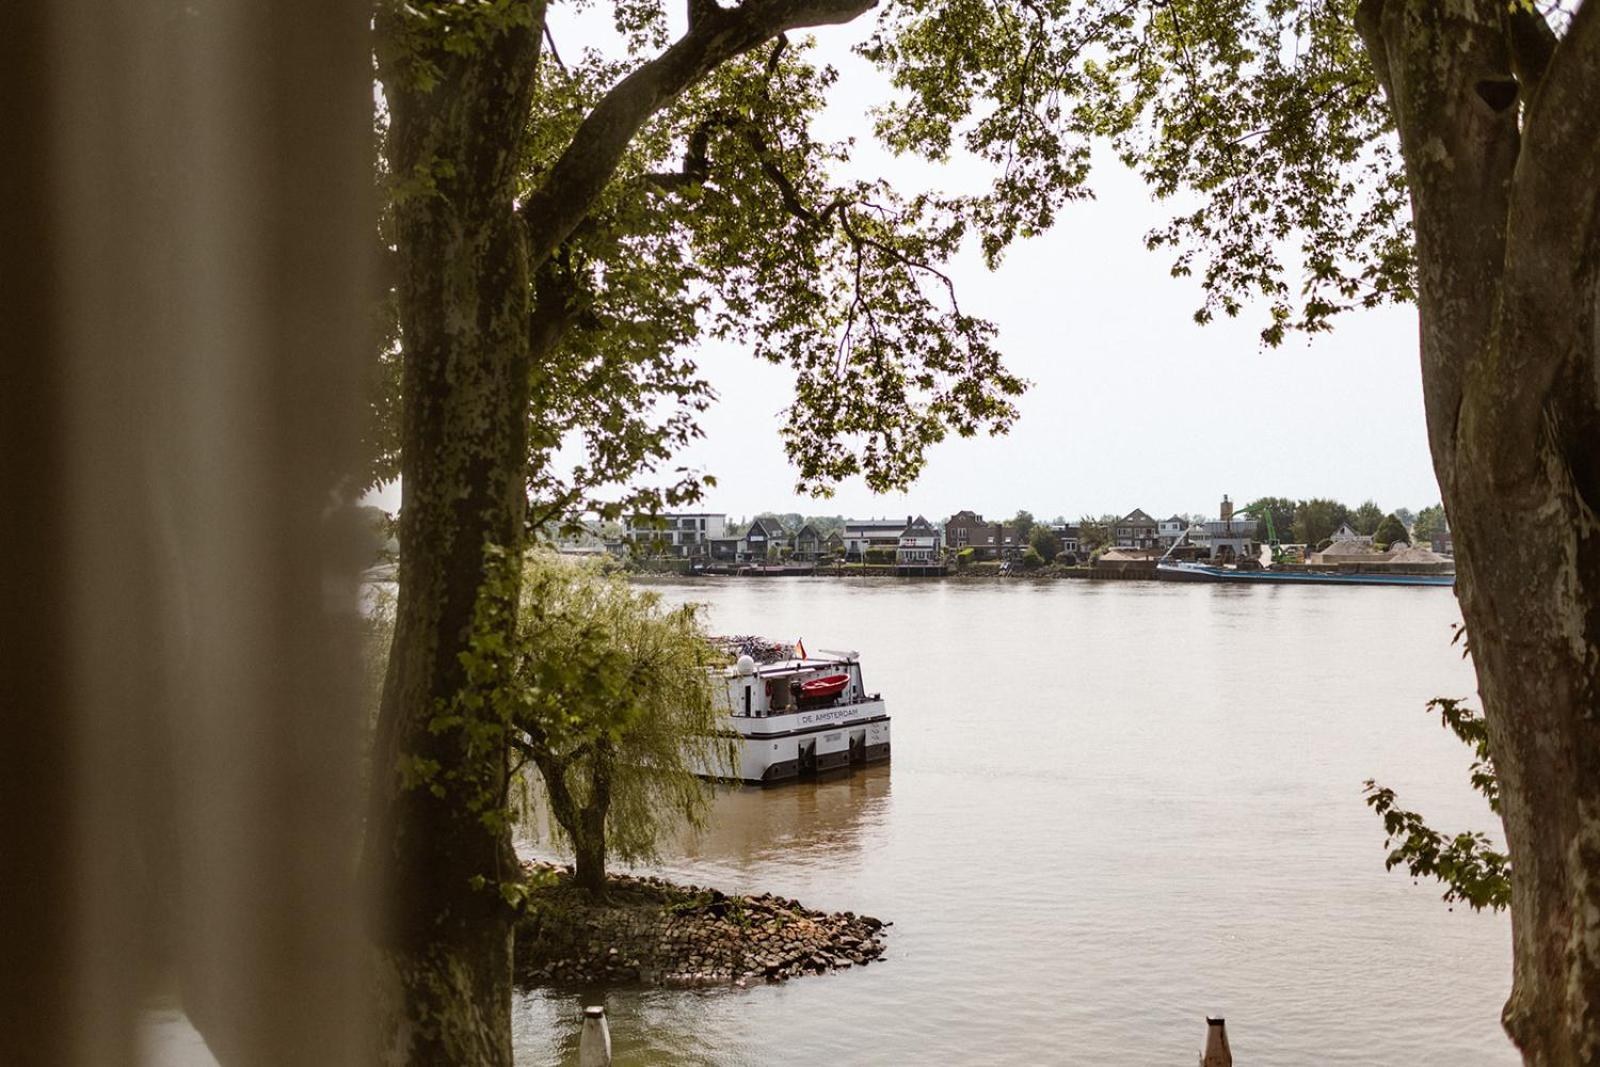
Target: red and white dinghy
(824, 687)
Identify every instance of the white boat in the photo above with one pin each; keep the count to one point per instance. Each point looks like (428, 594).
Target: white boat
(803, 716)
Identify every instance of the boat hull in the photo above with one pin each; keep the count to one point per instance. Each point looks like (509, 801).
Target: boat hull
(1169, 572)
(805, 743)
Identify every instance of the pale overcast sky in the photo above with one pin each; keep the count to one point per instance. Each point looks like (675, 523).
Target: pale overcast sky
(1132, 404)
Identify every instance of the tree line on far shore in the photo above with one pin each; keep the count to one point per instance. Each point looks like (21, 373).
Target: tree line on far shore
(1307, 522)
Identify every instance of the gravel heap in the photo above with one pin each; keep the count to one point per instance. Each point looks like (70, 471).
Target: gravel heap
(654, 932)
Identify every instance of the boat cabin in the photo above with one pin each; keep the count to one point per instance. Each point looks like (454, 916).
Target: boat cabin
(790, 686)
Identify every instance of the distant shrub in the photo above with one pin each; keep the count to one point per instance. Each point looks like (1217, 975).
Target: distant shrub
(1030, 558)
(1044, 541)
(1390, 531)
(880, 555)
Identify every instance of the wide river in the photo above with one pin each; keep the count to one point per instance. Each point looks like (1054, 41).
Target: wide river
(1112, 808)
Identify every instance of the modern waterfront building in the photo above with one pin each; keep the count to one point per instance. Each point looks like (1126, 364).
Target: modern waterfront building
(684, 535)
(860, 535)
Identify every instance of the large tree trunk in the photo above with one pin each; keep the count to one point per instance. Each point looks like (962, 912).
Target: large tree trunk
(463, 302)
(459, 89)
(589, 836)
(1508, 243)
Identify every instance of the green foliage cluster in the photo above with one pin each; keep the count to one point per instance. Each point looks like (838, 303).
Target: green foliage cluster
(1266, 119)
(1095, 534)
(1429, 523)
(1315, 520)
(481, 714)
(1045, 543)
(1023, 524)
(615, 706)
(1390, 531)
(1365, 518)
(725, 218)
(1281, 510)
(1470, 869)
(1030, 559)
(1311, 522)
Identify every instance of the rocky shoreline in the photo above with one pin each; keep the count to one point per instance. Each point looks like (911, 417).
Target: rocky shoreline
(649, 931)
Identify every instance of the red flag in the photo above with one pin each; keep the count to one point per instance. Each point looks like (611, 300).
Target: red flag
(800, 647)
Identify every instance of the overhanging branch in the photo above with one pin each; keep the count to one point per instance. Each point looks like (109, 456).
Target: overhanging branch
(716, 36)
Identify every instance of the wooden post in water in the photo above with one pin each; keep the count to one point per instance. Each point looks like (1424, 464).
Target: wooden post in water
(1217, 1053)
(594, 1045)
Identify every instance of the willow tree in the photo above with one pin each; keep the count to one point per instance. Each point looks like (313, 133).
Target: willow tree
(1332, 155)
(559, 232)
(618, 712)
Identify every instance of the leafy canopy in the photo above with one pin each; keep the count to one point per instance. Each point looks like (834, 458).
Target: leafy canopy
(1264, 124)
(728, 218)
(725, 218)
(615, 689)
(1046, 542)
(1389, 532)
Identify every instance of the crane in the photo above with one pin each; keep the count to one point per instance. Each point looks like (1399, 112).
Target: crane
(1265, 515)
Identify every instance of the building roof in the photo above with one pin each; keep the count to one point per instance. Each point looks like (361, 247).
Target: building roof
(769, 528)
(874, 526)
(919, 525)
(1137, 515)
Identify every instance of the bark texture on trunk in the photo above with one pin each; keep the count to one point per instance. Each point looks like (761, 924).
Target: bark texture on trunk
(585, 821)
(589, 862)
(1505, 214)
(459, 103)
(463, 301)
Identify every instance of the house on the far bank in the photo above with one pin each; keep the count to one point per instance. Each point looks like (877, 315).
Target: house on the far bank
(1170, 530)
(808, 542)
(919, 544)
(1135, 530)
(1069, 535)
(988, 540)
(764, 540)
(864, 535)
(1346, 532)
(1443, 542)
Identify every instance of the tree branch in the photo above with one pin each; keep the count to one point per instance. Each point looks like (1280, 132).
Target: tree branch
(696, 158)
(1533, 43)
(716, 36)
(1553, 233)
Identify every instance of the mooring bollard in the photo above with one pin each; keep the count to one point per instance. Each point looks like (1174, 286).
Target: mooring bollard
(594, 1046)
(1217, 1053)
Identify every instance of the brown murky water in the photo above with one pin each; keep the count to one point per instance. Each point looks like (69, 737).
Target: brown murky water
(1112, 809)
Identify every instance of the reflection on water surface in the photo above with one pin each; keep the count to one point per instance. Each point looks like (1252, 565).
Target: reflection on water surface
(1112, 808)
